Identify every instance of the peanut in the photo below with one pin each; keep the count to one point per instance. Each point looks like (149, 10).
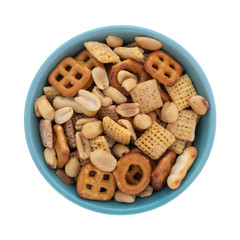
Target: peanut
(80, 122)
(128, 125)
(92, 129)
(123, 75)
(50, 157)
(146, 192)
(169, 112)
(199, 104)
(119, 150)
(44, 108)
(89, 102)
(129, 84)
(115, 95)
(142, 121)
(72, 168)
(105, 101)
(103, 160)
(128, 109)
(100, 77)
(83, 146)
(148, 43)
(120, 196)
(62, 115)
(114, 41)
(60, 102)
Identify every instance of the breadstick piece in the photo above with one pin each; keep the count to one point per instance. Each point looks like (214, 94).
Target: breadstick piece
(180, 168)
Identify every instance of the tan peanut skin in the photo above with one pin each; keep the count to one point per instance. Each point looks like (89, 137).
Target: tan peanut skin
(60, 145)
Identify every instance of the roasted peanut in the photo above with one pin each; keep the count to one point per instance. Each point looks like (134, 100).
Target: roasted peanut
(123, 75)
(92, 129)
(103, 160)
(153, 116)
(146, 192)
(169, 112)
(114, 41)
(128, 125)
(80, 122)
(199, 104)
(50, 93)
(44, 108)
(142, 121)
(129, 84)
(119, 150)
(89, 102)
(128, 109)
(62, 115)
(50, 157)
(120, 196)
(105, 101)
(110, 141)
(60, 102)
(100, 77)
(72, 168)
(115, 95)
(148, 43)
(83, 146)
(60, 146)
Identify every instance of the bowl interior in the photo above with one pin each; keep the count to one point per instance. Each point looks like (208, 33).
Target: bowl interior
(204, 134)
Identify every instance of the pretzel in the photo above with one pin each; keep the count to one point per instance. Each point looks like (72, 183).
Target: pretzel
(95, 184)
(69, 77)
(163, 67)
(124, 163)
(60, 146)
(87, 60)
(129, 65)
(161, 172)
(134, 174)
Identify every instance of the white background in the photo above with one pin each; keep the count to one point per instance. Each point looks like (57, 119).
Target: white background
(30, 31)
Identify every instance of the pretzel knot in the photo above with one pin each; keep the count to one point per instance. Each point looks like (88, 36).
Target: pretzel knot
(129, 65)
(163, 67)
(95, 184)
(69, 77)
(127, 163)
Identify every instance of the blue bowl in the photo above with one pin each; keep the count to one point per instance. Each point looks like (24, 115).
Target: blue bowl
(205, 131)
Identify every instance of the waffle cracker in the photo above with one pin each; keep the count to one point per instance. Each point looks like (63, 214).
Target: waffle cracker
(109, 111)
(155, 141)
(178, 146)
(147, 95)
(184, 127)
(99, 142)
(102, 52)
(115, 131)
(181, 92)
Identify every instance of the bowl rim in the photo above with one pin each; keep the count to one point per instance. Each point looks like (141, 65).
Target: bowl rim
(90, 204)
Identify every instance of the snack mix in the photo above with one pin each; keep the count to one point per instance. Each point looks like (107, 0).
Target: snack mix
(119, 120)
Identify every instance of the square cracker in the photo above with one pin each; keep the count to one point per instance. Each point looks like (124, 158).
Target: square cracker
(181, 92)
(99, 142)
(147, 95)
(155, 141)
(178, 146)
(102, 52)
(115, 131)
(184, 127)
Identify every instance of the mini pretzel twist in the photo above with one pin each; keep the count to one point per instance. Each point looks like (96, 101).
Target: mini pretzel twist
(129, 65)
(95, 184)
(124, 163)
(163, 67)
(69, 77)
